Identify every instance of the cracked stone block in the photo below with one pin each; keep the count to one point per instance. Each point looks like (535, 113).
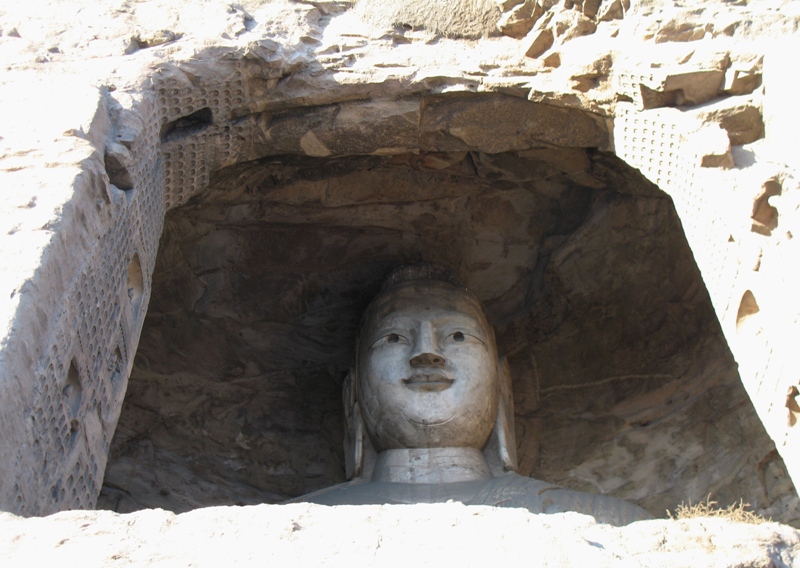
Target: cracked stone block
(540, 41)
(741, 119)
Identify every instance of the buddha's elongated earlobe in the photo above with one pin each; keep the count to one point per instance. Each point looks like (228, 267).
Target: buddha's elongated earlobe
(501, 450)
(507, 443)
(353, 428)
(359, 454)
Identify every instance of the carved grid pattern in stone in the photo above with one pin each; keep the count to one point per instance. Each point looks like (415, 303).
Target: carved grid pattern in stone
(659, 143)
(189, 160)
(82, 376)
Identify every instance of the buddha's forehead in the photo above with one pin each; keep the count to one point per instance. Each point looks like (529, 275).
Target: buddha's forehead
(423, 301)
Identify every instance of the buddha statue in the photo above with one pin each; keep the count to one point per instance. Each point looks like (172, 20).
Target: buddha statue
(429, 413)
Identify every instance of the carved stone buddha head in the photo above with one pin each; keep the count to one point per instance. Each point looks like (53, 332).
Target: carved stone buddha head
(427, 374)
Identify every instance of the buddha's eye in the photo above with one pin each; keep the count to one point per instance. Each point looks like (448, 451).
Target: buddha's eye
(461, 337)
(390, 338)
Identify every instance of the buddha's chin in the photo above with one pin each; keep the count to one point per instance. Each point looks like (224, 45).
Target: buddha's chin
(434, 418)
(438, 433)
(428, 420)
(425, 422)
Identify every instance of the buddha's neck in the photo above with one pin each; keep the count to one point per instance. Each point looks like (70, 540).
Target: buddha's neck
(430, 465)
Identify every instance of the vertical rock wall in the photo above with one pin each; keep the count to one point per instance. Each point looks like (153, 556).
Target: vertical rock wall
(74, 334)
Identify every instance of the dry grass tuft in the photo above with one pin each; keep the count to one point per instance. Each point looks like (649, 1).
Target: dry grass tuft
(737, 512)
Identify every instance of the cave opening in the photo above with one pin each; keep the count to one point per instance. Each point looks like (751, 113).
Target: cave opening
(623, 382)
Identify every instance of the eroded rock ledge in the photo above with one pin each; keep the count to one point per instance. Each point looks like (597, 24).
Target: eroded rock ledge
(419, 535)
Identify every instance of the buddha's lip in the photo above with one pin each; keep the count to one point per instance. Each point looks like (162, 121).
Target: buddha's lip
(428, 383)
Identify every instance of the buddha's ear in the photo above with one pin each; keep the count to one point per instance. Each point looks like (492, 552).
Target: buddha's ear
(358, 450)
(507, 443)
(353, 428)
(502, 448)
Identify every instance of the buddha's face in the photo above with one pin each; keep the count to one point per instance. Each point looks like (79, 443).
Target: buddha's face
(427, 369)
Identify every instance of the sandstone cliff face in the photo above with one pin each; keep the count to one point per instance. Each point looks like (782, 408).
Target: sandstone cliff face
(282, 157)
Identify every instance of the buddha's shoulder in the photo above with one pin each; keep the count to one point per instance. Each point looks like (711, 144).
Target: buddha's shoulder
(365, 492)
(509, 490)
(357, 492)
(512, 490)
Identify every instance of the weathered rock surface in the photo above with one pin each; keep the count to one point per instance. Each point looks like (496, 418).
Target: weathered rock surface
(502, 123)
(740, 119)
(518, 22)
(423, 535)
(451, 18)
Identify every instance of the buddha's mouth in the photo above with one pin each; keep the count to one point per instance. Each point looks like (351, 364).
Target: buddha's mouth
(428, 383)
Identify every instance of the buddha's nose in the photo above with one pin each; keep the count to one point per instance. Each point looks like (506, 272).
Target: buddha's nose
(426, 353)
(427, 360)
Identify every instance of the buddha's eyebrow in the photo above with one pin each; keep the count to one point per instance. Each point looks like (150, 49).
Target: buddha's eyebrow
(393, 323)
(447, 324)
(459, 320)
